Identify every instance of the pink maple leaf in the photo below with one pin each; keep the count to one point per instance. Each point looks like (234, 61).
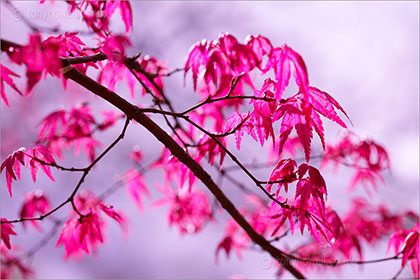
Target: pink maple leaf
(37, 154)
(96, 14)
(409, 239)
(136, 155)
(72, 46)
(39, 56)
(114, 47)
(232, 240)
(13, 265)
(114, 72)
(86, 233)
(215, 67)
(51, 124)
(118, 216)
(6, 74)
(208, 146)
(198, 55)
(12, 164)
(154, 69)
(283, 171)
(136, 187)
(370, 222)
(294, 117)
(281, 214)
(365, 176)
(315, 224)
(36, 203)
(125, 11)
(222, 60)
(260, 45)
(6, 231)
(189, 211)
(85, 201)
(312, 186)
(110, 118)
(284, 61)
(366, 156)
(82, 234)
(324, 103)
(236, 123)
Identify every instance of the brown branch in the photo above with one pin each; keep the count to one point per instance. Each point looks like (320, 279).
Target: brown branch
(85, 59)
(134, 112)
(147, 89)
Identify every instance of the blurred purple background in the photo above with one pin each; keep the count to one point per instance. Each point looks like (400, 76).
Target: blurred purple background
(365, 54)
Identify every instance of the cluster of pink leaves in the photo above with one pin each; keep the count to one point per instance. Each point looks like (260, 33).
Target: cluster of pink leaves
(115, 72)
(84, 234)
(11, 265)
(226, 59)
(97, 14)
(6, 74)
(409, 239)
(309, 202)
(175, 171)
(136, 187)
(61, 129)
(362, 224)
(365, 156)
(235, 238)
(38, 156)
(79, 234)
(188, 210)
(6, 231)
(43, 57)
(36, 203)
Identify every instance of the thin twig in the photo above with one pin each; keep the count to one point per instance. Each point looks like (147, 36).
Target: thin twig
(85, 173)
(398, 272)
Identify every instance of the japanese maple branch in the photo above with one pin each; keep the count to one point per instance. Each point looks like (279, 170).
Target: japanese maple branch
(134, 112)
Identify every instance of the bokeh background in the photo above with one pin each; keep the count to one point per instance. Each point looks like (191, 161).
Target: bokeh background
(366, 54)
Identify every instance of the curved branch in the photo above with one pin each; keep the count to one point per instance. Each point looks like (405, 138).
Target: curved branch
(134, 112)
